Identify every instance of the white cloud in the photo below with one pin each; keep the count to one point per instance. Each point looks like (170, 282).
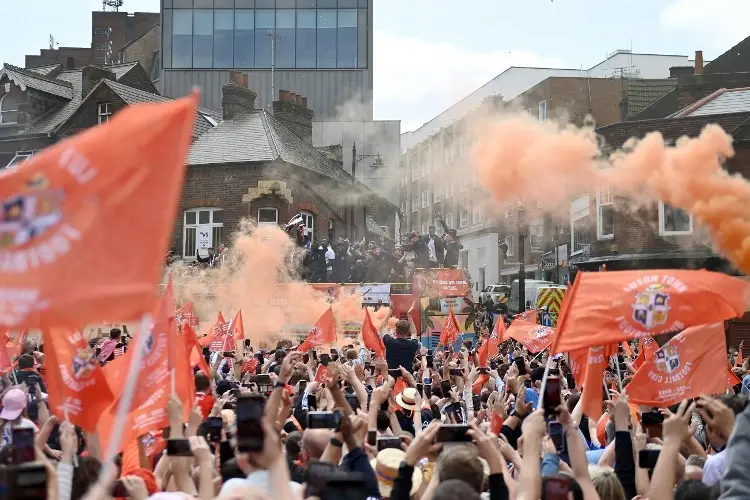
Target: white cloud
(417, 79)
(727, 22)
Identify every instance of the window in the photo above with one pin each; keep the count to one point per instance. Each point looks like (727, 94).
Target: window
(223, 42)
(308, 222)
(347, 39)
(580, 235)
(425, 199)
(265, 24)
(463, 218)
(202, 229)
(404, 178)
(268, 215)
(438, 159)
(542, 111)
(285, 43)
(425, 227)
(403, 206)
(8, 109)
(477, 215)
(244, 38)
(539, 204)
(449, 221)
(326, 38)
(425, 167)
(448, 189)
(182, 38)
(464, 259)
(464, 183)
(673, 220)
(436, 193)
(414, 203)
(203, 38)
(462, 149)
(605, 214)
(509, 240)
(306, 38)
(104, 111)
(21, 156)
(507, 211)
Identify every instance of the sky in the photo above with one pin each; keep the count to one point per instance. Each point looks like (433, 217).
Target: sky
(431, 53)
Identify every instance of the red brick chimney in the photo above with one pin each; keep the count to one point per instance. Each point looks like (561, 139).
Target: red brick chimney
(698, 62)
(236, 98)
(291, 110)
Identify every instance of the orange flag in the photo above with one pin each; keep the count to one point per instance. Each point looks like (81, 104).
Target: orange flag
(370, 335)
(206, 339)
(220, 338)
(196, 353)
(451, 331)
(321, 373)
(324, 332)
(131, 457)
(533, 336)
(740, 359)
(732, 379)
(238, 328)
(488, 349)
(647, 346)
(596, 362)
(75, 382)
(626, 349)
(5, 362)
(607, 308)
(66, 206)
(186, 314)
(684, 367)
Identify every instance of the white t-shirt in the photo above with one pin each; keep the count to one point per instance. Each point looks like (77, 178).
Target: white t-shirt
(714, 468)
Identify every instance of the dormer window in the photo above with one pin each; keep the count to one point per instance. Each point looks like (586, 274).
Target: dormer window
(8, 109)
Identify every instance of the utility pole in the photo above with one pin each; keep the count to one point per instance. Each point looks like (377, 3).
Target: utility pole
(274, 36)
(354, 181)
(521, 222)
(556, 241)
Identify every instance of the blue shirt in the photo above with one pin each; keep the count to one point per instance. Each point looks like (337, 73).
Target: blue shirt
(532, 397)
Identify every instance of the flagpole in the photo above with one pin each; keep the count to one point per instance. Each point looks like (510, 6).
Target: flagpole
(606, 389)
(619, 375)
(544, 382)
(67, 419)
(123, 408)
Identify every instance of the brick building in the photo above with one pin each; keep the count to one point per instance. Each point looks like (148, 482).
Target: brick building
(145, 50)
(262, 165)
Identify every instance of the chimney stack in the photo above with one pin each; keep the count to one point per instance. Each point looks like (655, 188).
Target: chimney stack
(92, 75)
(236, 98)
(698, 62)
(291, 110)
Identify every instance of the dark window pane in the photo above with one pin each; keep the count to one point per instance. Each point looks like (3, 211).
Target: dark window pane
(244, 4)
(285, 41)
(326, 39)
(244, 39)
(347, 4)
(189, 217)
(306, 38)
(676, 220)
(223, 38)
(216, 236)
(189, 248)
(264, 24)
(363, 4)
(325, 4)
(347, 39)
(218, 217)
(306, 4)
(182, 38)
(204, 217)
(203, 38)
(285, 4)
(265, 4)
(608, 220)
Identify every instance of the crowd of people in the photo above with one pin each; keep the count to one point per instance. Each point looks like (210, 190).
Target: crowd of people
(414, 424)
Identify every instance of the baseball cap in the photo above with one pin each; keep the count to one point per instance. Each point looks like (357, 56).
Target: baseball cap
(14, 403)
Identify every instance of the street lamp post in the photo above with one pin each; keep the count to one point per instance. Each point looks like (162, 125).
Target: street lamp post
(377, 164)
(521, 216)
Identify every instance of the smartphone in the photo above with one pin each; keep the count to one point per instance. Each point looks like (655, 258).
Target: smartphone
(428, 391)
(556, 434)
(228, 354)
(389, 442)
(476, 402)
(235, 392)
(457, 372)
(325, 359)
(372, 437)
(493, 365)
(552, 398)
(215, 424)
(521, 366)
(23, 446)
(247, 343)
(368, 366)
(353, 401)
(621, 359)
(312, 401)
(429, 360)
(647, 459)
(302, 386)
(652, 423)
(453, 433)
(314, 354)
(305, 358)
(556, 488)
(250, 410)
(334, 356)
(333, 351)
(445, 387)
(395, 373)
(324, 420)
(119, 490)
(264, 379)
(527, 383)
(484, 370)
(178, 448)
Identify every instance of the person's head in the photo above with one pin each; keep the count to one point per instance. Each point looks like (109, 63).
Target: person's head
(554, 482)
(453, 234)
(455, 489)
(607, 485)
(572, 401)
(279, 355)
(383, 422)
(369, 256)
(431, 229)
(293, 445)
(313, 444)
(414, 236)
(537, 375)
(351, 355)
(202, 384)
(25, 361)
(736, 404)
(14, 405)
(693, 489)
(461, 463)
(402, 328)
(84, 476)
(115, 334)
(324, 243)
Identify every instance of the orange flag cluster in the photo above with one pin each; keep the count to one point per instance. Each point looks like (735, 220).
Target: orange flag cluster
(534, 337)
(322, 333)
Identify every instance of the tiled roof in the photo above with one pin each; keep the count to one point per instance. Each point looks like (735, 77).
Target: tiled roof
(617, 134)
(46, 70)
(720, 102)
(641, 93)
(120, 69)
(37, 81)
(51, 120)
(136, 96)
(256, 136)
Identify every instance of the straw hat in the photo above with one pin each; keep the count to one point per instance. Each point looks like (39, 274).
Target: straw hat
(407, 398)
(386, 469)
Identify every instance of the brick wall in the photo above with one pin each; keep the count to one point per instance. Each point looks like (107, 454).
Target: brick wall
(142, 49)
(86, 116)
(223, 186)
(81, 57)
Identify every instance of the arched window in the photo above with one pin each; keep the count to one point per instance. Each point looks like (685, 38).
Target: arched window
(203, 228)
(308, 221)
(8, 109)
(268, 215)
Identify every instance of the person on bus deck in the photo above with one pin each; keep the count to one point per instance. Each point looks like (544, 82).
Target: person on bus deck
(435, 248)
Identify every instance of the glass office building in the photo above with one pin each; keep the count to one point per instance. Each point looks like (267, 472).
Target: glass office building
(321, 49)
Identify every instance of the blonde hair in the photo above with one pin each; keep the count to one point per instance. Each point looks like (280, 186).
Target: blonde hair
(607, 485)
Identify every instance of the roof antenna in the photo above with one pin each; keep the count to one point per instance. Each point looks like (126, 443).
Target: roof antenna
(111, 5)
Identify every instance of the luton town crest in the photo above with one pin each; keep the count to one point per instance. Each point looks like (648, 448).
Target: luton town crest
(30, 213)
(667, 359)
(651, 307)
(84, 363)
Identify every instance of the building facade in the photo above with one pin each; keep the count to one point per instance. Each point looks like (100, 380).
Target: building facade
(318, 48)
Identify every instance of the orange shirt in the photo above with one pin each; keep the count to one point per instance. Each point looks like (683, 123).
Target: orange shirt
(601, 429)
(206, 403)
